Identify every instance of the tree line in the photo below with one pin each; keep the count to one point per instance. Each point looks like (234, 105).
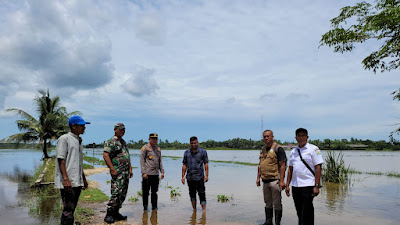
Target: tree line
(244, 144)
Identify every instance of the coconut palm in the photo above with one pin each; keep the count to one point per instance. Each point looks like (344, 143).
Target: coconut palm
(52, 122)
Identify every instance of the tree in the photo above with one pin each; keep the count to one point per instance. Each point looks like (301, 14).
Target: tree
(52, 122)
(379, 21)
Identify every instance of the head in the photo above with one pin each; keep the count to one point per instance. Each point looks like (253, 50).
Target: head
(119, 130)
(77, 125)
(268, 136)
(194, 143)
(301, 136)
(153, 139)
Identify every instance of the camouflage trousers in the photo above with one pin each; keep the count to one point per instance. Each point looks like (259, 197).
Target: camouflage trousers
(119, 188)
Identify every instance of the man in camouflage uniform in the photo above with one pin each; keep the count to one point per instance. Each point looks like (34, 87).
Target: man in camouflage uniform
(151, 165)
(117, 158)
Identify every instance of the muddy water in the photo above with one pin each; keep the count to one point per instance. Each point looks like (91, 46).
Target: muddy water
(368, 199)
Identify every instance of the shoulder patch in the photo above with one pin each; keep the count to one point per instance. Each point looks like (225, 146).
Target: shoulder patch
(318, 151)
(143, 148)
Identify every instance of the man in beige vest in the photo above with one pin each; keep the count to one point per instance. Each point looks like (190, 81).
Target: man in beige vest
(271, 170)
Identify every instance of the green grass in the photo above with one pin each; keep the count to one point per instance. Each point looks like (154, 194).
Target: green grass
(92, 195)
(334, 169)
(375, 173)
(393, 174)
(87, 166)
(140, 193)
(133, 199)
(93, 160)
(83, 215)
(235, 162)
(175, 192)
(223, 198)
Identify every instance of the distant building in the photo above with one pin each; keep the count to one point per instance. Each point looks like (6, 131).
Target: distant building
(289, 146)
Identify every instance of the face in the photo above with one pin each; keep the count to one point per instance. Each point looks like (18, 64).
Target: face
(119, 132)
(301, 139)
(268, 138)
(153, 141)
(78, 129)
(194, 144)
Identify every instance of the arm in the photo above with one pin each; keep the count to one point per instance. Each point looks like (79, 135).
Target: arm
(66, 182)
(183, 173)
(206, 169)
(107, 160)
(288, 179)
(142, 162)
(282, 168)
(85, 183)
(317, 179)
(130, 170)
(161, 165)
(258, 183)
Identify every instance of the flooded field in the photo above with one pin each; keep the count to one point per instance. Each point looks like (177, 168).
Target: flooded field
(368, 199)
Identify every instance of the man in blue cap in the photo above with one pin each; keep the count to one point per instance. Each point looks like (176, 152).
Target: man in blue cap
(69, 176)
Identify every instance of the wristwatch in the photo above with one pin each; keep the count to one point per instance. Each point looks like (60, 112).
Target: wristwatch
(318, 186)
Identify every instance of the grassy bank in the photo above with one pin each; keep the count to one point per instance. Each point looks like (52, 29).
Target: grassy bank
(45, 202)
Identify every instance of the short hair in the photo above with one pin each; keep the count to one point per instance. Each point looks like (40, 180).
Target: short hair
(272, 133)
(301, 130)
(194, 138)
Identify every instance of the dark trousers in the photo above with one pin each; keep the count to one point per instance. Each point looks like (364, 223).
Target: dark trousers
(303, 201)
(197, 186)
(70, 200)
(151, 182)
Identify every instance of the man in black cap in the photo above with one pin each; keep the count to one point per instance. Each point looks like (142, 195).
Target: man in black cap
(69, 176)
(151, 165)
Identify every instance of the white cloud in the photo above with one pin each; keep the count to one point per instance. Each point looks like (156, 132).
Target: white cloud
(141, 83)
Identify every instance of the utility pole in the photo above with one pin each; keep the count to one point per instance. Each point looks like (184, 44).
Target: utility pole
(262, 126)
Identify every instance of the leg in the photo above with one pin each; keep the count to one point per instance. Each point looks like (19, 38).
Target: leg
(192, 193)
(268, 203)
(122, 195)
(201, 189)
(276, 201)
(154, 189)
(112, 205)
(70, 200)
(145, 192)
(308, 207)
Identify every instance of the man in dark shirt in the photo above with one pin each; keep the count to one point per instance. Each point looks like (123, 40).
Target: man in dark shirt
(193, 161)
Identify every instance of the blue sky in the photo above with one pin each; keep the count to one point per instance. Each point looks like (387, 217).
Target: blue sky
(183, 68)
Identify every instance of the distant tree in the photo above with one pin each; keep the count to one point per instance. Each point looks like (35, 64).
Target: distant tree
(51, 124)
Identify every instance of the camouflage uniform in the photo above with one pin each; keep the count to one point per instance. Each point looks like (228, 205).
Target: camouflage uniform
(120, 159)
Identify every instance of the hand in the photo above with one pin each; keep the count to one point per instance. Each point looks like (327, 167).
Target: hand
(67, 184)
(85, 184)
(162, 176)
(144, 176)
(287, 190)
(258, 183)
(315, 191)
(282, 185)
(130, 173)
(183, 180)
(114, 173)
(205, 179)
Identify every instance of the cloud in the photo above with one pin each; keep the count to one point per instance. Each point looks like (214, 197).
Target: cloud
(141, 83)
(150, 28)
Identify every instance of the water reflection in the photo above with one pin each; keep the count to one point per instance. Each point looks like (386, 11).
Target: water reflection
(153, 217)
(335, 196)
(193, 219)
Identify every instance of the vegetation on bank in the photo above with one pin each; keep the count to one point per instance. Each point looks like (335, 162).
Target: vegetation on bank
(249, 144)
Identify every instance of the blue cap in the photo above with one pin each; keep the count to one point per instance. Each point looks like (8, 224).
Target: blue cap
(77, 120)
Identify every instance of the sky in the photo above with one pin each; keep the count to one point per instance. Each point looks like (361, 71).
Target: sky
(217, 69)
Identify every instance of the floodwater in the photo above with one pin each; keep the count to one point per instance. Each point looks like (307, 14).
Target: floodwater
(368, 199)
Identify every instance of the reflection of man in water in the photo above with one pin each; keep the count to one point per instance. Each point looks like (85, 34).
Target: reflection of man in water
(271, 169)
(193, 161)
(305, 185)
(153, 218)
(202, 220)
(69, 176)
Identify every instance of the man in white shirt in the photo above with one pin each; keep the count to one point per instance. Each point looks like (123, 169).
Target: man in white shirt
(69, 176)
(304, 174)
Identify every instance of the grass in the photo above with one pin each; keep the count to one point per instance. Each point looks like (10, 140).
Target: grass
(334, 169)
(235, 162)
(87, 166)
(92, 195)
(84, 215)
(223, 198)
(133, 199)
(140, 193)
(175, 192)
(93, 160)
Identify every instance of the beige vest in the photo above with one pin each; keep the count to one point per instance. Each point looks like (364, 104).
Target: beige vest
(269, 168)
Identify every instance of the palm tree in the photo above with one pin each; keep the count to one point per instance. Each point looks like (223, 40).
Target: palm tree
(52, 122)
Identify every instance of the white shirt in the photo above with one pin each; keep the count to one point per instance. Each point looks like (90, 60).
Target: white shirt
(69, 149)
(302, 176)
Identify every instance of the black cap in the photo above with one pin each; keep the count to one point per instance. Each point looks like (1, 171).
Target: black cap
(153, 135)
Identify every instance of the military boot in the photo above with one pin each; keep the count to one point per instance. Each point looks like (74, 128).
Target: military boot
(278, 216)
(118, 216)
(269, 213)
(110, 216)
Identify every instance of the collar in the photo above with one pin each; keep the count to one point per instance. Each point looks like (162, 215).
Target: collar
(304, 147)
(76, 136)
